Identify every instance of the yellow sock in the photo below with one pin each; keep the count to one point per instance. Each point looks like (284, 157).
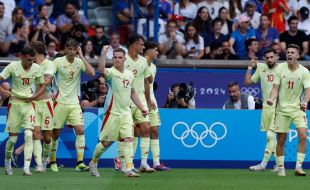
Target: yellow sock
(99, 150)
(9, 147)
(120, 150)
(300, 159)
(46, 150)
(128, 154)
(155, 151)
(270, 145)
(280, 161)
(28, 148)
(80, 146)
(54, 150)
(37, 151)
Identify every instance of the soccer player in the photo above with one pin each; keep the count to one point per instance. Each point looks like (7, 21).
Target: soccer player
(150, 53)
(23, 74)
(67, 108)
(43, 109)
(138, 65)
(291, 79)
(265, 73)
(117, 121)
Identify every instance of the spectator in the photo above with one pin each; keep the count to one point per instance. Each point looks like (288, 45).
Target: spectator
(237, 100)
(9, 7)
(99, 40)
(238, 37)
(59, 8)
(97, 96)
(275, 9)
(252, 48)
(88, 50)
(250, 11)
(203, 21)
(216, 51)
(194, 44)
(170, 43)
(43, 19)
(212, 6)
(4, 100)
(17, 40)
(30, 7)
(303, 3)
(146, 25)
(235, 8)
(215, 37)
(18, 16)
(124, 12)
(304, 21)
(295, 36)
(165, 9)
(265, 35)
(51, 50)
(293, 7)
(71, 17)
(186, 9)
(115, 43)
(77, 33)
(42, 33)
(227, 28)
(258, 5)
(277, 48)
(226, 51)
(5, 28)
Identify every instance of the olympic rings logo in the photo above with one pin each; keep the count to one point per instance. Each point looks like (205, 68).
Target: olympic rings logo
(190, 132)
(252, 91)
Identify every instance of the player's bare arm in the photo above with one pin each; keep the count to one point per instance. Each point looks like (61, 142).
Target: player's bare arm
(137, 102)
(147, 91)
(90, 71)
(101, 65)
(304, 104)
(274, 94)
(247, 79)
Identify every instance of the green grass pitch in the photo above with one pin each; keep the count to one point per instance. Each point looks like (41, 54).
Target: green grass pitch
(177, 179)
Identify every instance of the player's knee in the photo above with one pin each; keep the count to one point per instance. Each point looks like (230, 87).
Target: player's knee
(47, 139)
(36, 135)
(271, 136)
(154, 134)
(28, 135)
(105, 143)
(79, 130)
(302, 137)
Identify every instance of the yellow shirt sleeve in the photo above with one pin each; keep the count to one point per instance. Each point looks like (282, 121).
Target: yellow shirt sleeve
(6, 73)
(255, 77)
(306, 79)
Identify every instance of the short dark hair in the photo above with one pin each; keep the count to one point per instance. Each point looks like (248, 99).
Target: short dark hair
(71, 2)
(249, 42)
(71, 43)
(121, 50)
(172, 21)
(149, 45)
(264, 15)
(17, 26)
(291, 19)
(269, 50)
(27, 51)
(1, 3)
(39, 47)
(217, 19)
(233, 83)
(40, 7)
(99, 26)
(293, 46)
(134, 38)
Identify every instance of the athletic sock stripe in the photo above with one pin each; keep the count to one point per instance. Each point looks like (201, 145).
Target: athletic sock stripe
(50, 108)
(107, 115)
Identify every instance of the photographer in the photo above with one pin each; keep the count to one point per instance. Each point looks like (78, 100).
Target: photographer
(181, 96)
(94, 93)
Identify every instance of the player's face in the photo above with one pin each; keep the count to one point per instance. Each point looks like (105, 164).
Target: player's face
(27, 61)
(234, 93)
(154, 53)
(292, 55)
(118, 60)
(70, 52)
(140, 46)
(270, 59)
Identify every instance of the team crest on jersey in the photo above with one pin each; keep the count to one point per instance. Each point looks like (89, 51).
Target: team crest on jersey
(264, 71)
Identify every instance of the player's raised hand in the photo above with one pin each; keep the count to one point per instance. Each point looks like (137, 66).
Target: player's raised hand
(253, 62)
(145, 112)
(303, 106)
(80, 51)
(270, 102)
(105, 50)
(6, 93)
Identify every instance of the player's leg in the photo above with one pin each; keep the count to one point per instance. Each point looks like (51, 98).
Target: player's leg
(60, 117)
(155, 148)
(47, 147)
(28, 125)
(13, 124)
(37, 148)
(282, 126)
(301, 127)
(99, 150)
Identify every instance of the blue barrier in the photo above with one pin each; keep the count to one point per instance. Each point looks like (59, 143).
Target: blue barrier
(188, 138)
